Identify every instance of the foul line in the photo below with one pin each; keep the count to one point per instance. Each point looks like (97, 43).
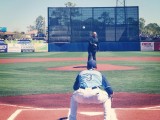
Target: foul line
(113, 113)
(154, 107)
(14, 115)
(17, 112)
(145, 108)
(25, 107)
(17, 106)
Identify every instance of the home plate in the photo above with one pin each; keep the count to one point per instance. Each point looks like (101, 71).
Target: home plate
(113, 114)
(91, 113)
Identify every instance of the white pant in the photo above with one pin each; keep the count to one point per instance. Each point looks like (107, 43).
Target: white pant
(87, 96)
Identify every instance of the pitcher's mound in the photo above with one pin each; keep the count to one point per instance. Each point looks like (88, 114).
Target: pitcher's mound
(100, 67)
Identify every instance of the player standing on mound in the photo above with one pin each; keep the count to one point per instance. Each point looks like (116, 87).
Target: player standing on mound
(93, 46)
(91, 87)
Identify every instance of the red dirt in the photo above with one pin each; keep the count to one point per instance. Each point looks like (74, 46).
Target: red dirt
(100, 67)
(121, 100)
(41, 115)
(49, 101)
(138, 114)
(22, 60)
(6, 111)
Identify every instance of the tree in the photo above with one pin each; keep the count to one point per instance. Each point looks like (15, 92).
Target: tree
(152, 29)
(18, 35)
(31, 28)
(70, 4)
(141, 25)
(40, 25)
(105, 17)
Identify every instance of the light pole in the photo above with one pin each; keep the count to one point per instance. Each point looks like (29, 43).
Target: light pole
(122, 17)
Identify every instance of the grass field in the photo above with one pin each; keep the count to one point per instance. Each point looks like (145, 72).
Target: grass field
(34, 78)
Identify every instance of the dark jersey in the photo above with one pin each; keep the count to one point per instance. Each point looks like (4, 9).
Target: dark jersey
(93, 44)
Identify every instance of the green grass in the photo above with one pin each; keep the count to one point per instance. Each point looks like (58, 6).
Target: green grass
(34, 78)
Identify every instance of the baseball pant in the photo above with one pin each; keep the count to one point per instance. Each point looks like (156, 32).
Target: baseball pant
(87, 96)
(92, 55)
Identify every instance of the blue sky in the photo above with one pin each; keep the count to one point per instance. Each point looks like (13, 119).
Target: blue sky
(16, 15)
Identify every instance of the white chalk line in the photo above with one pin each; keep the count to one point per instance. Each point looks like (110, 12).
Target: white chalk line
(113, 113)
(154, 107)
(145, 108)
(25, 107)
(15, 114)
(17, 106)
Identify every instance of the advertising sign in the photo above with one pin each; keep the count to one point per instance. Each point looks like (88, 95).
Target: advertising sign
(3, 48)
(3, 29)
(12, 47)
(2, 42)
(27, 47)
(157, 46)
(147, 46)
(41, 47)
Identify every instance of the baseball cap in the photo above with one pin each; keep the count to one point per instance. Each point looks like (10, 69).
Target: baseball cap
(91, 64)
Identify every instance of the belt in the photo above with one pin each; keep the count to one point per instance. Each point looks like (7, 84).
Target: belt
(95, 87)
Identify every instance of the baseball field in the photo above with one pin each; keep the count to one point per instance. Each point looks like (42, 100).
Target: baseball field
(38, 86)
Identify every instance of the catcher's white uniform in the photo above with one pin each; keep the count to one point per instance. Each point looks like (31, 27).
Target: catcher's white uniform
(91, 87)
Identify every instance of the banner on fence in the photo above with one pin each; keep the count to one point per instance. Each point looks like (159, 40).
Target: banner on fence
(157, 46)
(41, 47)
(2, 42)
(27, 47)
(3, 48)
(12, 47)
(147, 46)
